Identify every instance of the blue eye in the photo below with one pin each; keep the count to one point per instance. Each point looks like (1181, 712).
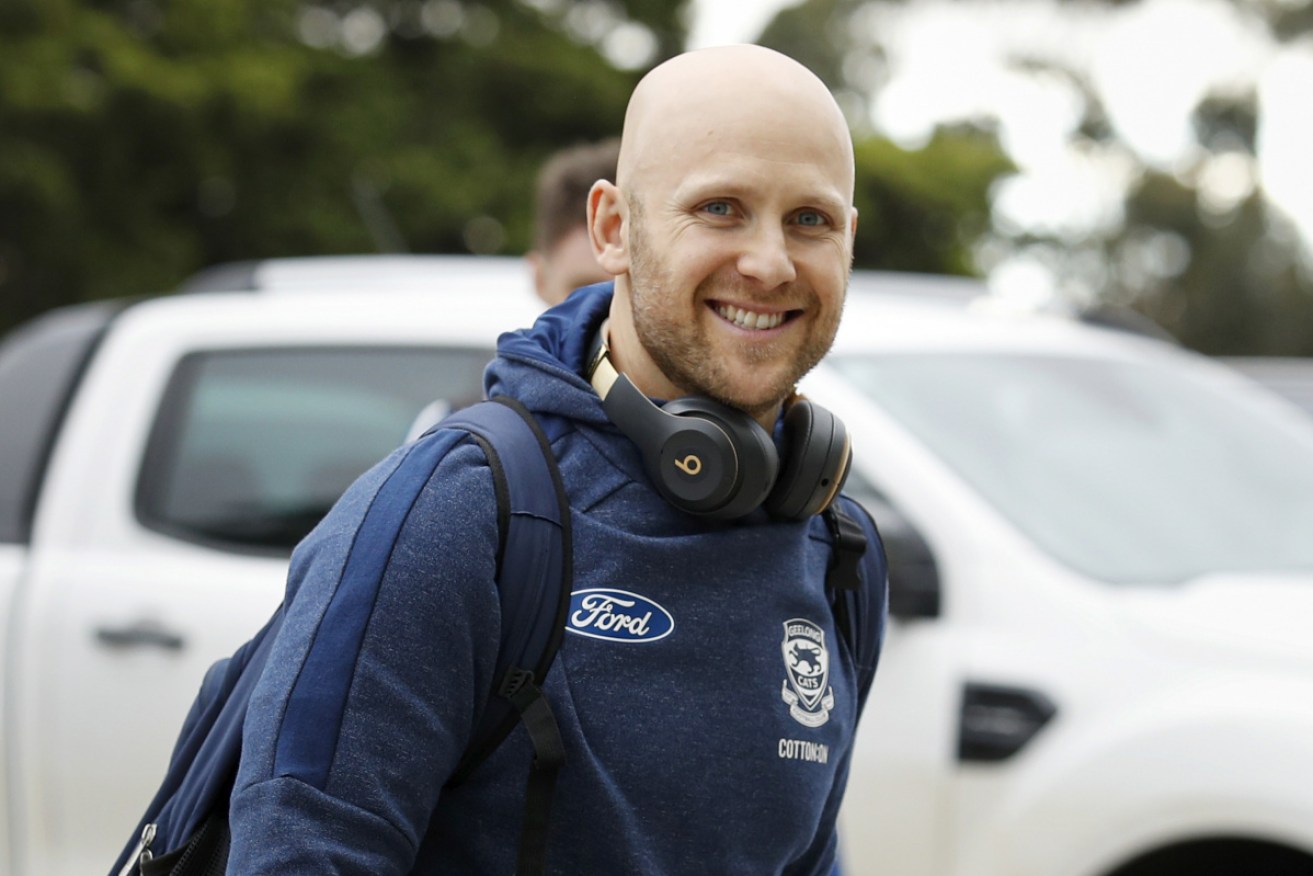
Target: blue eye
(811, 218)
(718, 208)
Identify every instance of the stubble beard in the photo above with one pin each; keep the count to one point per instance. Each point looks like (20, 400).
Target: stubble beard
(683, 353)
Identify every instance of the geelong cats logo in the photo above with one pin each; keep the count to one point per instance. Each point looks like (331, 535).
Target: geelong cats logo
(807, 672)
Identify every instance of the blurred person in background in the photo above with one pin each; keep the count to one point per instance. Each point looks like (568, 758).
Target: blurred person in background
(562, 257)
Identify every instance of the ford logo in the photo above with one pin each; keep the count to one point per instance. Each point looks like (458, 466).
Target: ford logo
(617, 616)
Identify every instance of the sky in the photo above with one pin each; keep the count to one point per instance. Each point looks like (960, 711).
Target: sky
(1151, 62)
(722, 22)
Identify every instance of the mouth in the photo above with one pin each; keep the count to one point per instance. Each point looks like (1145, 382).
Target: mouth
(753, 320)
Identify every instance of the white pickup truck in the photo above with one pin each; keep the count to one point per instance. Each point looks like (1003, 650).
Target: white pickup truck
(1101, 547)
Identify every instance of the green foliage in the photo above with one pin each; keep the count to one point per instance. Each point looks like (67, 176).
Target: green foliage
(1231, 279)
(924, 210)
(1290, 21)
(814, 33)
(1227, 122)
(1239, 291)
(918, 210)
(141, 140)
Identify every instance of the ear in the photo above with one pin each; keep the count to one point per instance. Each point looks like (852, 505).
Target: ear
(853, 222)
(607, 227)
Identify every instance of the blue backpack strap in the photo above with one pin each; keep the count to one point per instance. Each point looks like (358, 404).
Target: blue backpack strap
(533, 580)
(534, 573)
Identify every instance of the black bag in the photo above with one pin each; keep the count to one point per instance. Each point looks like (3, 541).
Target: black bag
(184, 831)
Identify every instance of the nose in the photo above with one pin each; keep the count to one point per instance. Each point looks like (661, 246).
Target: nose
(766, 258)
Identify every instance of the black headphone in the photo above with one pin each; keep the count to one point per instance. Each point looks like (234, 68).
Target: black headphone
(715, 461)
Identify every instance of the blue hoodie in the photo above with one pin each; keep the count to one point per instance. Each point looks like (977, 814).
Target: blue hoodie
(709, 734)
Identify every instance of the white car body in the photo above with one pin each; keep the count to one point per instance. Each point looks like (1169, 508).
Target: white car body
(1181, 713)
(1184, 709)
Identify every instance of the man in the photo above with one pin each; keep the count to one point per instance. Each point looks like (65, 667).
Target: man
(562, 257)
(719, 744)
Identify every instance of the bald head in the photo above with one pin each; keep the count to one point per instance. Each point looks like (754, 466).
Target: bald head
(729, 228)
(732, 97)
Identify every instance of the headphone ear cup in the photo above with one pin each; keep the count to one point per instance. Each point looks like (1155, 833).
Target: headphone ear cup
(754, 463)
(817, 455)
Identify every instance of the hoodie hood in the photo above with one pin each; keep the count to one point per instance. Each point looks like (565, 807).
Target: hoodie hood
(543, 366)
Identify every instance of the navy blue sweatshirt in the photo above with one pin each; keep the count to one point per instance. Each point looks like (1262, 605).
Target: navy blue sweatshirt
(706, 700)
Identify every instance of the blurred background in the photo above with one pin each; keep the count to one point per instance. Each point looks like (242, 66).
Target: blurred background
(1096, 541)
(1140, 159)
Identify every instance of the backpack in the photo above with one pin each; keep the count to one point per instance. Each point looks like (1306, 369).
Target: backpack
(184, 831)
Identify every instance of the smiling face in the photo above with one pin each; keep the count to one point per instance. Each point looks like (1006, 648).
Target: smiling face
(730, 229)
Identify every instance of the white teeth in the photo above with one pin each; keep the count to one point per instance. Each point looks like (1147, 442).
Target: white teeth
(748, 319)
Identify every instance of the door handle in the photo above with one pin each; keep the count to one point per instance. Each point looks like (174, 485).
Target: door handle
(996, 721)
(141, 634)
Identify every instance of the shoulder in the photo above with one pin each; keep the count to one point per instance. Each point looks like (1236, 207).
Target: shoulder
(441, 495)
(424, 496)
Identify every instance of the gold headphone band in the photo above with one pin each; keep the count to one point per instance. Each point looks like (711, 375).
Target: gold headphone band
(838, 479)
(601, 373)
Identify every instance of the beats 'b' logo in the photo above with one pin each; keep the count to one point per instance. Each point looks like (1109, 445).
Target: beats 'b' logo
(690, 465)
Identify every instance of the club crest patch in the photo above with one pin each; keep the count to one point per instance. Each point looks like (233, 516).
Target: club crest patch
(807, 690)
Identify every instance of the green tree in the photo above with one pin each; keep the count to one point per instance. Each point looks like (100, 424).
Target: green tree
(1201, 252)
(1237, 286)
(141, 140)
(1223, 272)
(922, 209)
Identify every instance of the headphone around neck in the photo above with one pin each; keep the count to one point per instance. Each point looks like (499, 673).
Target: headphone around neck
(715, 461)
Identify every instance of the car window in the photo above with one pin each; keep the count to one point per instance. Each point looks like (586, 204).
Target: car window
(251, 447)
(1143, 471)
(41, 364)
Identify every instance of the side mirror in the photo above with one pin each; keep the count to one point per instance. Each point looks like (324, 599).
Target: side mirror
(914, 587)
